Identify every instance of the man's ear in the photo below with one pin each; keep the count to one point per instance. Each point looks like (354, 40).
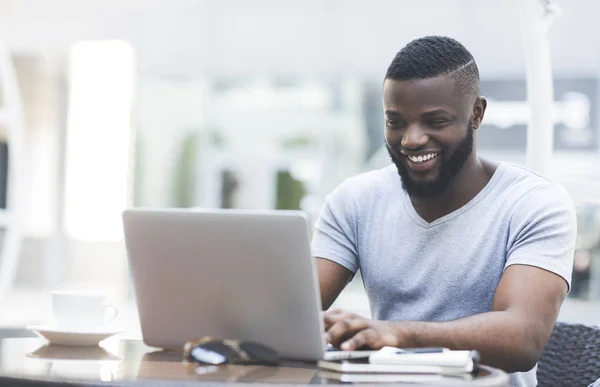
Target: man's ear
(478, 112)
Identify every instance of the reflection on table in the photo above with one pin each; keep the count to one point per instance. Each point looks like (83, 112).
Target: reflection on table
(131, 360)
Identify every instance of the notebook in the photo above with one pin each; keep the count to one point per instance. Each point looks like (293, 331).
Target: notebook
(390, 360)
(391, 378)
(363, 366)
(465, 359)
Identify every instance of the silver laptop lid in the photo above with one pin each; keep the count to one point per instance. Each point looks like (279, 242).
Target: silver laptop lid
(229, 274)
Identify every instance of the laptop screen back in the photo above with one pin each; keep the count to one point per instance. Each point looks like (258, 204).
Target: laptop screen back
(229, 274)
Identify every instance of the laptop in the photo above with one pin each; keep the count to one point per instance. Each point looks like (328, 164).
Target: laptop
(228, 274)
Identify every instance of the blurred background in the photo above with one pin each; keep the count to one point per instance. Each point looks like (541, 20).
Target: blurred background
(108, 104)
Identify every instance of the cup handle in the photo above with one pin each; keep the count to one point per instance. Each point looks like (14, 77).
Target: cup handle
(110, 312)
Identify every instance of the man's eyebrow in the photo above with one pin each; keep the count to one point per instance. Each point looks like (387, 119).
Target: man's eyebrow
(437, 112)
(392, 113)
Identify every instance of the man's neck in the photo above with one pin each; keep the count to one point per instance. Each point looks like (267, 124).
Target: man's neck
(473, 177)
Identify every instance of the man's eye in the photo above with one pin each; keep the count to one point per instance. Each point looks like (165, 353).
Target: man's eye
(394, 122)
(438, 122)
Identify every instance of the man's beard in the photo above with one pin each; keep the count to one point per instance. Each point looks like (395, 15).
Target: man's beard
(449, 168)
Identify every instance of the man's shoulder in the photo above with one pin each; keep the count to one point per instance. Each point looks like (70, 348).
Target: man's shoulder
(524, 176)
(529, 188)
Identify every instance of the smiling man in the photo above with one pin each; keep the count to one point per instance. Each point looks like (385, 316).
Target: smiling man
(455, 251)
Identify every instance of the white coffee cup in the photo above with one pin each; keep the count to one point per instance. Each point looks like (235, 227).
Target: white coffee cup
(75, 310)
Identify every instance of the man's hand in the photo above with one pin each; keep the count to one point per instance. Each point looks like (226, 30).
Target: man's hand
(350, 331)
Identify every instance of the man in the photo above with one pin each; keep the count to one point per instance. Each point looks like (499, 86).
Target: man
(455, 251)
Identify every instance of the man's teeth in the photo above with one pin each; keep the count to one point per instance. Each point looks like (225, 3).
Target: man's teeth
(422, 158)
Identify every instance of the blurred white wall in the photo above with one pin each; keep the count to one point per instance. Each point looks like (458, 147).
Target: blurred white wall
(166, 111)
(285, 36)
(195, 39)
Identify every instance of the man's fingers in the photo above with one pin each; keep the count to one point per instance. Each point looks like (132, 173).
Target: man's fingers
(332, 320)
(329, 314)
(368, 337)
(344, 328)
(332, 317)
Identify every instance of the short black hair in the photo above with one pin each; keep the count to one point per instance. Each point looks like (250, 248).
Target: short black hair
(432, 56)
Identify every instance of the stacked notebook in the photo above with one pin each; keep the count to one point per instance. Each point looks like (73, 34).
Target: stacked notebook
(403, 365)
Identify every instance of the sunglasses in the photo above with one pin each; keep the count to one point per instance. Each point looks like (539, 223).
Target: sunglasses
(210, 351)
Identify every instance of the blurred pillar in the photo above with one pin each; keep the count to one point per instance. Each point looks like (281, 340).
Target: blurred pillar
(99, 132)
(54, 261)
(11, 218)
(536, 18)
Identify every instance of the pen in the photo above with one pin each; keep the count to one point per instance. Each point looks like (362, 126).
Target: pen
(405, 351)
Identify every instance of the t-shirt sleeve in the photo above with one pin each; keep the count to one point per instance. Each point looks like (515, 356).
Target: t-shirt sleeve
(334, 235)
(544, 230)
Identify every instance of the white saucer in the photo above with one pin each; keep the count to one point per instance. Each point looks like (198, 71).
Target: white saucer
(75, 338)
(69, 353)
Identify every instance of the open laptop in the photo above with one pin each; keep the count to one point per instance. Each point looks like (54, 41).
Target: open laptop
(228, 274)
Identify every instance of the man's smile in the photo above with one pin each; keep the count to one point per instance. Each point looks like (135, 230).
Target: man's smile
(423, 161)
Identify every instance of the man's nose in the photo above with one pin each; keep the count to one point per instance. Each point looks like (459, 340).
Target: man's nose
(414, 137)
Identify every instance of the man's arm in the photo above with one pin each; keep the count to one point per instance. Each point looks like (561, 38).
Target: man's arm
(333, 277)
(334, 244)
(510, 337)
